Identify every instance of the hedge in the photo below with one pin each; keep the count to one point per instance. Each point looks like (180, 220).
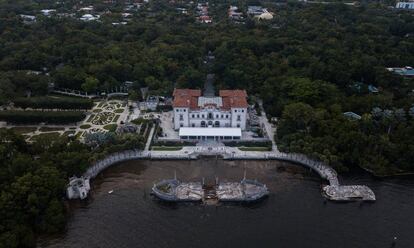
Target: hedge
(35, 117)
(248, 143)
(53, 103)
(164, 108)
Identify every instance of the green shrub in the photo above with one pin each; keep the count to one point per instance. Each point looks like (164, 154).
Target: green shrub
(53, 103)
(85, 126)
(111, 127)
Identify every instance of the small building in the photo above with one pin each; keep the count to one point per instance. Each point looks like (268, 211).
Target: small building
(28, 19)
(89, 17)
(234, 13)
(48, 12)
(152, 102)
(265, 16)
(205, 19)
(255, 10)
(88, 9)
(78, 188)
(352, 115)
(406, 71)
(372, 89)
(405, 5)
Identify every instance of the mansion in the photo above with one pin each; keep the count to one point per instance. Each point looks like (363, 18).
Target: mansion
(210, 117)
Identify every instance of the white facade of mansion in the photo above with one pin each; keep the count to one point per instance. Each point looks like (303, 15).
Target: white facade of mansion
(228, 110)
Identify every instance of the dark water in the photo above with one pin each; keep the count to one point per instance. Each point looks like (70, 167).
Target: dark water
(295, 214)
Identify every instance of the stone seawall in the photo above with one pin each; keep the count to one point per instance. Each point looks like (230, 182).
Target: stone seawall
(333, 191)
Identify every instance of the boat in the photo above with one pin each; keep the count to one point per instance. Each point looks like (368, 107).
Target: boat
(173, 190)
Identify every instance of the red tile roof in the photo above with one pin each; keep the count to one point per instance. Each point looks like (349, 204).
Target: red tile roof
(186, 98)
(234, 98)
(233, 93)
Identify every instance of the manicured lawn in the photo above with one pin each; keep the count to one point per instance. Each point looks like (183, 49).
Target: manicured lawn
(167, 148)
(111, 127)
(254, 149)
(116, 118)
(49, 129)
(85, 126)
(90, 118)
(22, 130)
(48, 136)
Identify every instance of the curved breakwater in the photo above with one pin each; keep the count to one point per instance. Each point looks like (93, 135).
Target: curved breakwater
(333, 191)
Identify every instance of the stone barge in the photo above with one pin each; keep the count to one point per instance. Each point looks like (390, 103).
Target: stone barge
(172, 190)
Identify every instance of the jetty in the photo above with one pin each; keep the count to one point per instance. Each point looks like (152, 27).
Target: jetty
(333, 190)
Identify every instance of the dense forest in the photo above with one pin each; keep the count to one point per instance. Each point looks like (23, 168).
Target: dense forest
(311, 54)
(33, 178)
(309, 65)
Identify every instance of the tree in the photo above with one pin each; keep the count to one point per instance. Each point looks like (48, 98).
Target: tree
(90, 84)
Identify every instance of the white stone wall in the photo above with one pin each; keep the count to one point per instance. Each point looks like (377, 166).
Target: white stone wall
(236, 117)
(239, 117)
(210, 117)
(181, 118)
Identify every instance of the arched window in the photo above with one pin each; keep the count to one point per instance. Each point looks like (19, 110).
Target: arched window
(203, 123)
(217, 124)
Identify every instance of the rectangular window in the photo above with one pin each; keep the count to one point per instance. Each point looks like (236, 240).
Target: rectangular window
(227, 116)
(181, 118)
(181, 125)
(202, 116)
(192, 115)
(176, 110)
(238, 118)
(242, 110)
(184, 110)
(221, 116)
(193, 125)
(217, 116)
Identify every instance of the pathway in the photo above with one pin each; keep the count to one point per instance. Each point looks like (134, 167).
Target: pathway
(209, 86)
(267, 127)
(150, 136)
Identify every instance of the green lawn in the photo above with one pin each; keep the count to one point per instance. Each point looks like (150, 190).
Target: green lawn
(48, 129)
(167, 148)
(22, 130)
(85, 126)
(254, 148)
(48, 136)
(111, 127)
(116, 118)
